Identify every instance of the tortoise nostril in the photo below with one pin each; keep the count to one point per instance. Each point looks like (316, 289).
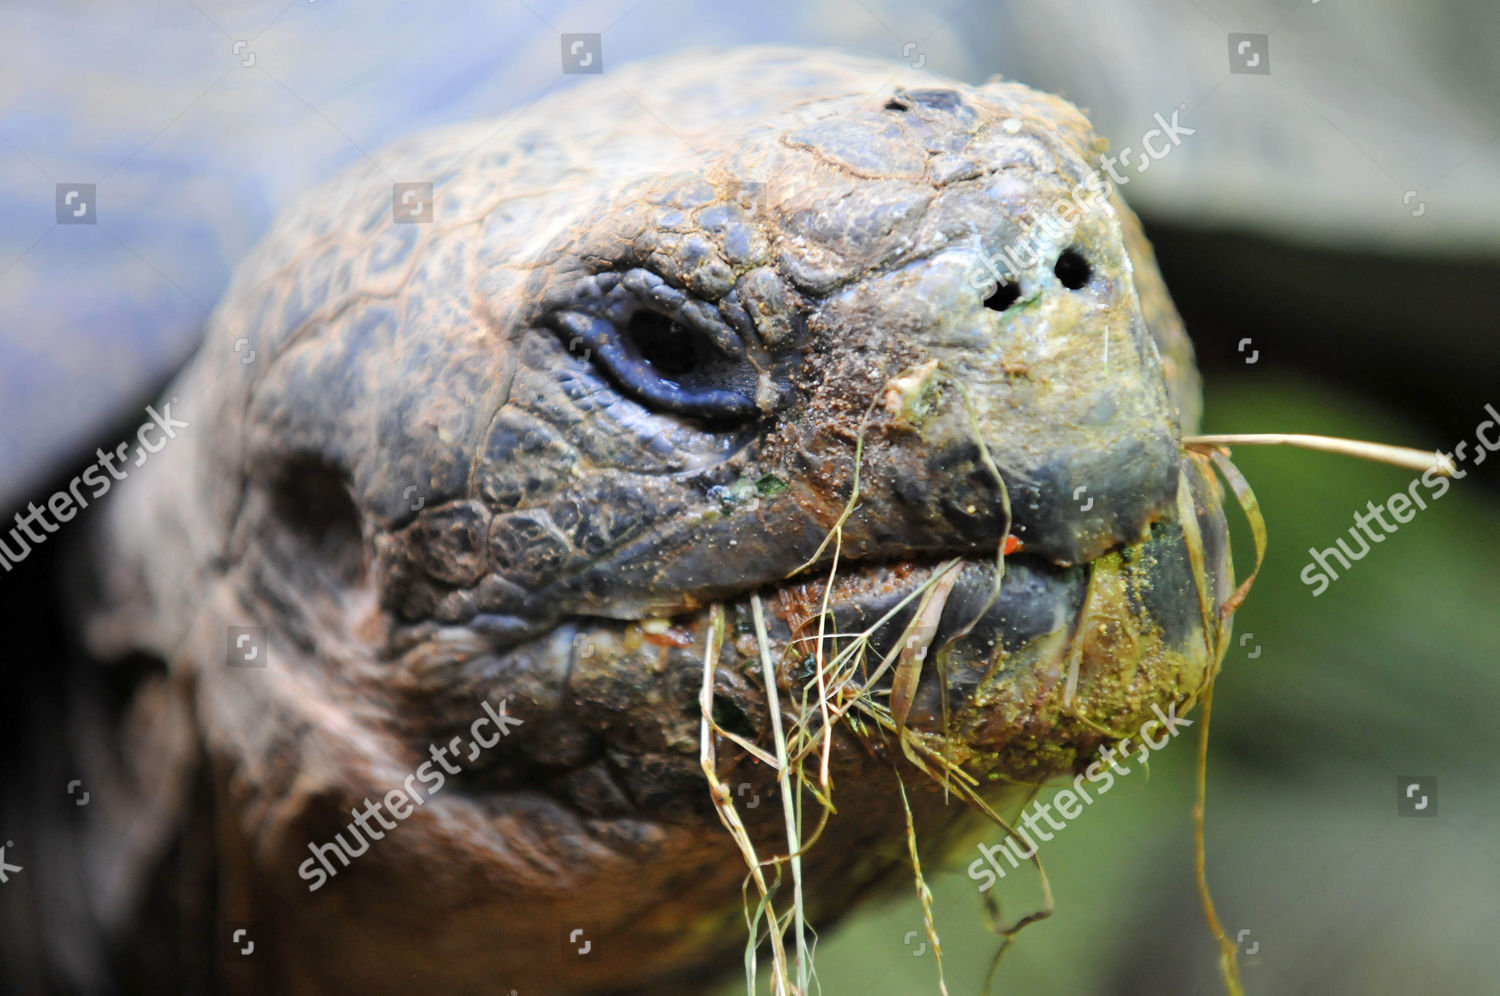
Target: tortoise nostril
(662, 343)
(1005, 295)
(1072, 269)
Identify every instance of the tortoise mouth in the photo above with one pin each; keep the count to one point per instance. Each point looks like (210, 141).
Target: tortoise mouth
(975, 627)
(719, 561)
(1139, 618)
(1029, 666)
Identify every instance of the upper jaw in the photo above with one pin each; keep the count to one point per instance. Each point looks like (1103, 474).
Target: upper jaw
(793, 535)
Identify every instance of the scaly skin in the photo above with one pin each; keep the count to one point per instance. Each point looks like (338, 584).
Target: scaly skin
(459, 470)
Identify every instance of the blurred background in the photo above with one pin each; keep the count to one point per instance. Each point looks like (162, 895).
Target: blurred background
(1330, 231)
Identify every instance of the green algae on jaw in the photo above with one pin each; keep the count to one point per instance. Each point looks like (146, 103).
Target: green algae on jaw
(744, 489)
(769, 485)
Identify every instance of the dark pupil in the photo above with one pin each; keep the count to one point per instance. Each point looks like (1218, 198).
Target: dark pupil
(661, 342)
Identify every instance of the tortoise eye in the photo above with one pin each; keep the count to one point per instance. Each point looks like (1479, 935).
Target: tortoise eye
(679, 365)
(665, 348)
(670, 364)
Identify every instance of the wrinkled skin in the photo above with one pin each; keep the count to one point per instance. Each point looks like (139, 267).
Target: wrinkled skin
(470, 457)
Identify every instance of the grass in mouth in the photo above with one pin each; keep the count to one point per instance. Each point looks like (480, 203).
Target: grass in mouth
(844, 690)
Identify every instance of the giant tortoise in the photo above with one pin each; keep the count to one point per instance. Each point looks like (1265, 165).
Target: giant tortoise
(500, 459)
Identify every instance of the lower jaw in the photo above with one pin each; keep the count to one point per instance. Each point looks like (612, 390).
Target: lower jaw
(1022, 679)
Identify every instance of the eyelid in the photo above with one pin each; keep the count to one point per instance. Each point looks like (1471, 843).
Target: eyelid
(705, 319)
(651, 291)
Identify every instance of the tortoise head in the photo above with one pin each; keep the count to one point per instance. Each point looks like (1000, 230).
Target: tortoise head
(630, 362)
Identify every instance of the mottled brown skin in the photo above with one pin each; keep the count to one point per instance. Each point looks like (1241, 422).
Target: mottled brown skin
(449, 476)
